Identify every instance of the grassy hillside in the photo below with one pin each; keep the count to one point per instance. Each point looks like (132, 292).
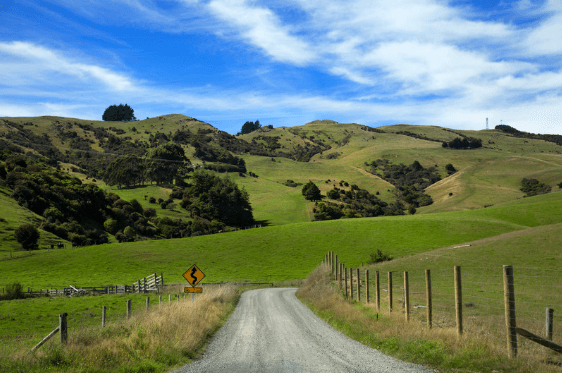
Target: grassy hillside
(283, 252)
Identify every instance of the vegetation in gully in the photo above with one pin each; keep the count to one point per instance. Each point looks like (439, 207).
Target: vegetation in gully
(132, 197)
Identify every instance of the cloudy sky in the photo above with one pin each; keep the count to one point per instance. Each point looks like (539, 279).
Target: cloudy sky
(287, 62)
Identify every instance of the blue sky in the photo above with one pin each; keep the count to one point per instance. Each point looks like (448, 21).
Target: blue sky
(424, 62)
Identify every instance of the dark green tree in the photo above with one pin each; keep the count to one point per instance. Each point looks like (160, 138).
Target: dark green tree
(165, 163)
(311, 192)
(27, 235)
(119, 113)
(127, 170)
(250, 127)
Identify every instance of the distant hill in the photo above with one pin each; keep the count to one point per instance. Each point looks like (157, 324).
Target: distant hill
(272, 164)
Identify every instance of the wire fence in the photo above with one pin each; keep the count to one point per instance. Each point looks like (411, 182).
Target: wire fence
(482, 302)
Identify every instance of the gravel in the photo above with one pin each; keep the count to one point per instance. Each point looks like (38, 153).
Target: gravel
(272, 331)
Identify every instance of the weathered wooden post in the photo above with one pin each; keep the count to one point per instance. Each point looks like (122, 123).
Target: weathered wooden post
(345, 281)
(549, 323)
(358, 286)
(377, 291)
(169, 299)
(128, 309)
(366, 286)
(407, 296)
(63, 328)
(428, 302)
(340, 275)
(458, 299)
(147, 302)
(103, 310)
(509, 303)
(144, 286)
(159, 300)
(336, 268)
(162, 280)
(389, 291)
(351, 284)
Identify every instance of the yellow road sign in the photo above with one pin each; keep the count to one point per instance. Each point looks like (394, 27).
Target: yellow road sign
(193, 275)
(193, 290)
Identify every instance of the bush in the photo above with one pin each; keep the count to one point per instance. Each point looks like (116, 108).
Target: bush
(152, 200)
(27, 235)
(532, 187)
(333, 194)
(378, 257)
(14, 291)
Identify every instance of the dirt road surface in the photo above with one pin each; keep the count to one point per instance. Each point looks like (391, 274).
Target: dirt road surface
(272, 331)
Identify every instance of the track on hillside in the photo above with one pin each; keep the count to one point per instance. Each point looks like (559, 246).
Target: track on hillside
(272, 331)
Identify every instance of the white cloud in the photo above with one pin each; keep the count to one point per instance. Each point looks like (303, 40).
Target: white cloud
(263, 29)
(546, 39)
(30, 63)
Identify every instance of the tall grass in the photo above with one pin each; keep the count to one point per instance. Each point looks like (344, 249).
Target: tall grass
(478, 350)
(157, 340)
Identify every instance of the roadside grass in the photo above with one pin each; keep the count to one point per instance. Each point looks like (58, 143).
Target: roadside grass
(165, 337)
(161, 339)
(438, 348)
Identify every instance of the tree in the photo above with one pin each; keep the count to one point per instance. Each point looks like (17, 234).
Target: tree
(450, 169)
(165, 163)
(119, 113)
(311, 192)
(127, 170)
(250, 127)
(27, 235)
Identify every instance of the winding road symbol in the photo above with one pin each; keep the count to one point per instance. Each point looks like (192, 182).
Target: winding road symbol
(193, 275)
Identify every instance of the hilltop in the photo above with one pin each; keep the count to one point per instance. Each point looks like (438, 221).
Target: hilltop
(361, 163)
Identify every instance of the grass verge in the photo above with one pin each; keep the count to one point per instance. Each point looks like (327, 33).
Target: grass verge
(158, 340)
(438, 348)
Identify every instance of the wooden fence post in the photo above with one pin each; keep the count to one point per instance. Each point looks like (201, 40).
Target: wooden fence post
(549, 323)
(366, 286)
(63, 328)
(509, 303)
(458, 299)
(162, 280)
(336, 268)
(389, 291)
(103, 310)
(340, 275)
(407, 296)
(428, 303)
(159, 300)
(128, 309)
(345, 282)
(351, 284)
(169, 298)
(377, 291)
(147, 302)
(358, 286)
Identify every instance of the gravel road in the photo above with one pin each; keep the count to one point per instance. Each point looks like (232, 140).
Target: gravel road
(272, 331)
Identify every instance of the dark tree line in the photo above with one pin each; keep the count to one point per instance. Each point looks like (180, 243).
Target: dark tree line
(463, 143)
(557, 139)
(250, 127)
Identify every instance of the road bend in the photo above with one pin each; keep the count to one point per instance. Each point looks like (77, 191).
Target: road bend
(272, 331)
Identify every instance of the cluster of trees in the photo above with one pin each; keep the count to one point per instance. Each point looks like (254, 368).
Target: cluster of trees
(463, 143)
(356, 203)
(213, 198)
(311, 192)
(410, 181)
(557, 139)
(119, 113)
(162, 165)
(533, 187)
(85, 215)
(249, 127)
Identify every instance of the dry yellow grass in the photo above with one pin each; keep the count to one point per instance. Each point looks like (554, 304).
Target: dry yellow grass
(157, 340)
(478, 350)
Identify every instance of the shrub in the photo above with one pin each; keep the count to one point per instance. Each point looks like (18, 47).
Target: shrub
(14, 291)
(130, 232)
(149, 212)
(333, 194)
(532, 187)
(152, 200)
(378, 257)
(27, 235)
(412, 210)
